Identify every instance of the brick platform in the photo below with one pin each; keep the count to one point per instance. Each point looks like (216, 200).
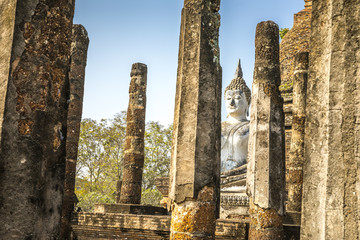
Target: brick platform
(91, 226)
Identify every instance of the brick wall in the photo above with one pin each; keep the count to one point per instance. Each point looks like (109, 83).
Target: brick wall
(295, 41)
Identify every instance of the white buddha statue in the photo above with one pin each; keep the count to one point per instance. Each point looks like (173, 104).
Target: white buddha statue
(235, 130)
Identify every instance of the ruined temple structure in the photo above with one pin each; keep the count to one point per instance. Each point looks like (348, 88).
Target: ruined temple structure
(322, 170)
(295, 41)
(39, 71)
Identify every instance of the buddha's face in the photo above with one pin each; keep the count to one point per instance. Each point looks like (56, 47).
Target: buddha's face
(236, 103)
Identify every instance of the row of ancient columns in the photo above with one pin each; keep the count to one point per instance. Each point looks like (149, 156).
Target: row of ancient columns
(326, 128)
(194, 176)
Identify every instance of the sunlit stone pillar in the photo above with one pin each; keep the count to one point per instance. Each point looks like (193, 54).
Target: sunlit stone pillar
(195, 160)
(79, 47)
(35, 40)
(266, 156)
(134, 141)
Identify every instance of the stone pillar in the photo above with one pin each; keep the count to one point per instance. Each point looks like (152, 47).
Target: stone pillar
(331, 190)
(296, 158)
(266, 168)
(79, 47)
(195, 159)
(134, 140)
(35, 42)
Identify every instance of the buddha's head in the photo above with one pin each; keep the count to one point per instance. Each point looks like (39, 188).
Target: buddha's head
(237, 96)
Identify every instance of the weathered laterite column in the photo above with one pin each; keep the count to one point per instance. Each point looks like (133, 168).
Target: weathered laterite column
(35, 42)
(331, 190)
(266, 156)
(195, 160)
(79, 47)
(296, 158)
(134, 141)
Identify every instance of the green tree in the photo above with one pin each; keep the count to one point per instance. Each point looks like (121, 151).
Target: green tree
(100, 158)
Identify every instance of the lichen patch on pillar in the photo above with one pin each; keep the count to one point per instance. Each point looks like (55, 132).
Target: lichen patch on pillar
(195, 219)
(25, 126)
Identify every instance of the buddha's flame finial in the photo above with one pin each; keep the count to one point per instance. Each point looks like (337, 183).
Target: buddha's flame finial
(238, 73)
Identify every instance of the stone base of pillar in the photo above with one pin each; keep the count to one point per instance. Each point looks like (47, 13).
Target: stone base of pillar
(265, 224)
(193, 220)
(129, 209)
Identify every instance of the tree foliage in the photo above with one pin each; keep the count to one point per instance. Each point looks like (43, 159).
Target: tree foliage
(157, 160)
(283, 32)
(100, 159)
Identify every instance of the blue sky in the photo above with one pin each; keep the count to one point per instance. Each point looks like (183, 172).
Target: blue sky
(123, 32)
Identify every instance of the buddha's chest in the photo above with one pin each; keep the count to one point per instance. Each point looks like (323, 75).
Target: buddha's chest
(235, 140)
